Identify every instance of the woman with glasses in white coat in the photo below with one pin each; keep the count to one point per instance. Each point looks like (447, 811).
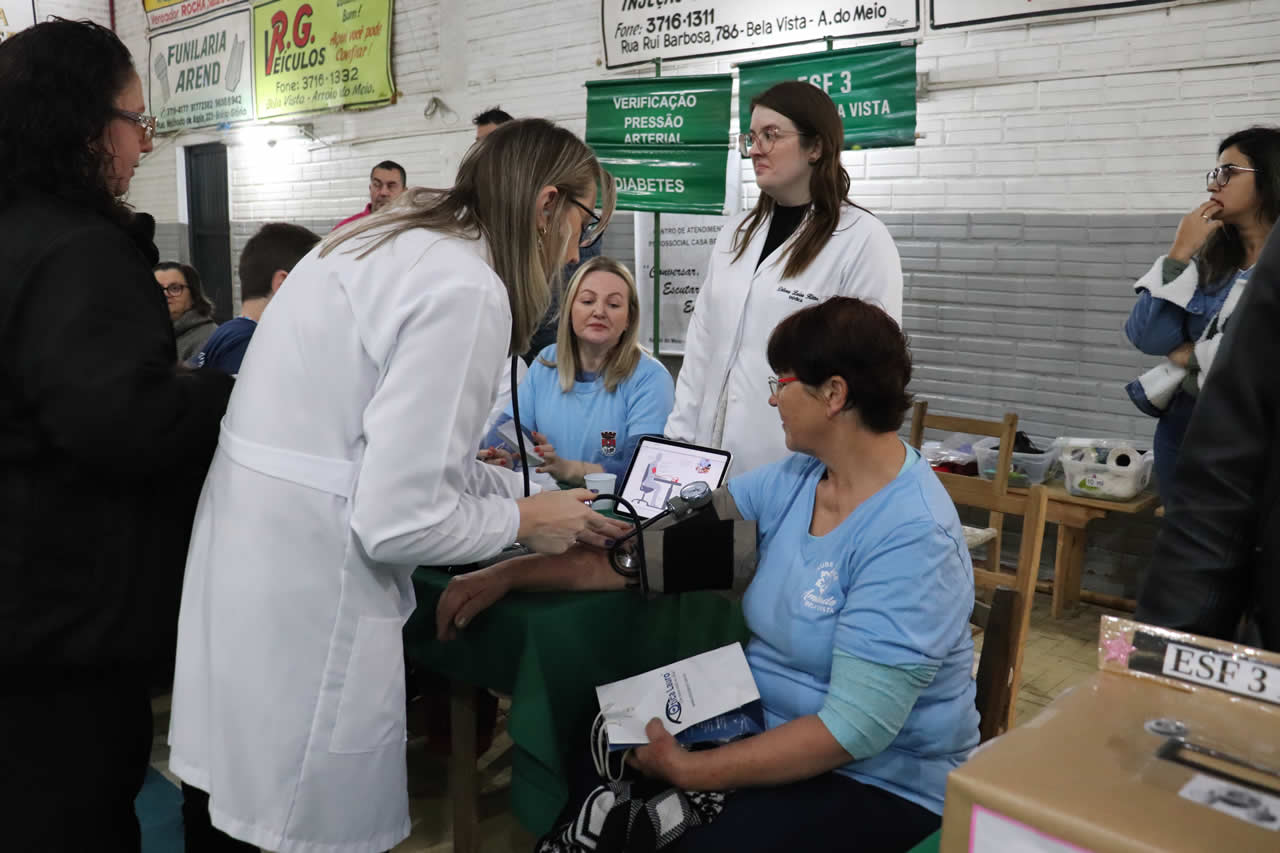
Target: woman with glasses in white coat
(802, 243)
(346, 459)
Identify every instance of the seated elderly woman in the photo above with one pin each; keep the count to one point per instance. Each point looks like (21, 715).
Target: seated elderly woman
(858, 609)
(590, 396)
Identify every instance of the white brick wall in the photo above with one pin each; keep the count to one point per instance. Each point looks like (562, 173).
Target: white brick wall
(1056, 160)
(1120, 113)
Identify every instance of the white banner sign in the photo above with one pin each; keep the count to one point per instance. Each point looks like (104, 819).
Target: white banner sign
(643, 30)
(16, 15)
(687, 241)
(200, 74)
(947, 14)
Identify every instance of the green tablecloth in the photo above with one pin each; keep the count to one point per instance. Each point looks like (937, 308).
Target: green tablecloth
(549, 651)
(929, 845)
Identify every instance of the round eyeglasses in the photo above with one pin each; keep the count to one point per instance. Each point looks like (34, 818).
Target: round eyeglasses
(1220, 176)
(764, 140)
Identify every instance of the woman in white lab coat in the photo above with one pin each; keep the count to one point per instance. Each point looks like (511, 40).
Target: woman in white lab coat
(347, 458)
(804, 242)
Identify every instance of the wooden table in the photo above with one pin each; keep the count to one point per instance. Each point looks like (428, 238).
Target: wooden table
(1072, 514)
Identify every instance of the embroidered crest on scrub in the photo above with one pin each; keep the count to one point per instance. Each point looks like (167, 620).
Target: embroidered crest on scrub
(608, 442)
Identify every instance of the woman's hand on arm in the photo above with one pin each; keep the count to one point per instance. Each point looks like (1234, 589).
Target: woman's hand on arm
(800, 749)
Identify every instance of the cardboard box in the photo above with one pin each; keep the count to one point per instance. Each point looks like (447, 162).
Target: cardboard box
(1173, 746)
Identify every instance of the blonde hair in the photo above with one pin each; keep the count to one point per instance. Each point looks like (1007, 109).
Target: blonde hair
(625, 355)
(494, 198)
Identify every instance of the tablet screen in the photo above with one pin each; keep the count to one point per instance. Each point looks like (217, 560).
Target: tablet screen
(660, 468)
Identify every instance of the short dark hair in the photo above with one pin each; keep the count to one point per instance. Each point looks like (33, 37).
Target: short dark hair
(199, 302)
(856, 341)
(493, 115)
(58, 84)
(276, 246)
(388, 165)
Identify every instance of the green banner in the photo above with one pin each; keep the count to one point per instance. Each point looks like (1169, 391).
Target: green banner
(689, 179)
(311, 55)
(659, 111)
(874, 88)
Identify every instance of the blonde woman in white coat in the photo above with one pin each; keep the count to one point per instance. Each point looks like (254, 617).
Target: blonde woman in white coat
(802, 243)
(347, 458)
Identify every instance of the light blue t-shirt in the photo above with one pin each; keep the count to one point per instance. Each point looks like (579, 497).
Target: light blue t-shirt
(892, 584)
(589, 423)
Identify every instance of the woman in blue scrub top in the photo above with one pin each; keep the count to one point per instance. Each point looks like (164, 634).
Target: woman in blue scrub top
(858, 611)
(590, 396)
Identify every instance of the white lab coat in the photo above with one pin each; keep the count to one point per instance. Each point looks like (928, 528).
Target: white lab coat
(346, 458)
(737, 309)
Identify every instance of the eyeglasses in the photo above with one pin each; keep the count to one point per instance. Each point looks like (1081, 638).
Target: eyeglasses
(776, 385)
(174, 289)
(1221, 176)
(591, 230)
(142, 120)
(764, 141)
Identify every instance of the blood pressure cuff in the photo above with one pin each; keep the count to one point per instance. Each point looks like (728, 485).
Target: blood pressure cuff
(714, 549)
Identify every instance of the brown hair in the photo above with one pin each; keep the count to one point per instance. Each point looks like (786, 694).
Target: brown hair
(623, 358)
(856, 341)
(815, 116)
(494, 198)
(199, 302)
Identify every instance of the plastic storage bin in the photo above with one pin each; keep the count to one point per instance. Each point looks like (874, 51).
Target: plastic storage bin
(1105, 468)
(1027, 469)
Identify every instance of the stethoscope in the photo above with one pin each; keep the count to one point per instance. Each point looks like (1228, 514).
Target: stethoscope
(631, 563)
(628, 563)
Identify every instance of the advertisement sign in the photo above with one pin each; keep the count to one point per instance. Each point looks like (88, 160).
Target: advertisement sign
(874, 89)
(199, 73)
(687, 243)
(638, 31)
(957, 14)
(689, 179)
(162, 13)
(314, 55)
(659, 111)
(16, 15)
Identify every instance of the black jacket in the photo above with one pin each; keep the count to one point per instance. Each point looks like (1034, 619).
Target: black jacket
(1217, 558)
(104, 444)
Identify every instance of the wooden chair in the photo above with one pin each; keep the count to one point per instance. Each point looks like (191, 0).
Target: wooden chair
(1005, 430)
(995, 664)
(1007, 633)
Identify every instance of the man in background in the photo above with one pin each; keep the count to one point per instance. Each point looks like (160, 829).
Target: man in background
(386, 182)
(488, 120)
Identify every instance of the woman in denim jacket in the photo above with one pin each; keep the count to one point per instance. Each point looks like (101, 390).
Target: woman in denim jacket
(1185, 299)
